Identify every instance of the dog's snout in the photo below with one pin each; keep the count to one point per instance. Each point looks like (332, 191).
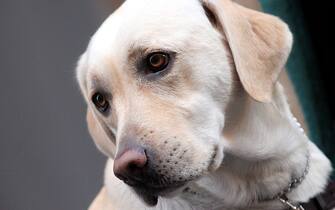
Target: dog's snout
(130, 165)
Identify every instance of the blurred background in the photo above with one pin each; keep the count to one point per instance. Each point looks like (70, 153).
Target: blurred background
(47, 159)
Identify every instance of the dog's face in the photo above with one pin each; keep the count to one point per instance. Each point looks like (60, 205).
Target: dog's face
(157, 78)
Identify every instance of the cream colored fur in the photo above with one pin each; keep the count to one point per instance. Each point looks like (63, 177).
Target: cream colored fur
(222, 93)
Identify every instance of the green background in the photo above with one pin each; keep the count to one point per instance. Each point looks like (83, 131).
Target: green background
(304, 72)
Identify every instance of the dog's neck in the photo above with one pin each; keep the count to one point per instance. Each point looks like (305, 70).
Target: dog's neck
(265, 148)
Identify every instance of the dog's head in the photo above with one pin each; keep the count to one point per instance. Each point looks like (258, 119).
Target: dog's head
(158, 76)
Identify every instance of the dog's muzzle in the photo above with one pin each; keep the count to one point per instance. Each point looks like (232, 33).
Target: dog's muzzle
(135, 167)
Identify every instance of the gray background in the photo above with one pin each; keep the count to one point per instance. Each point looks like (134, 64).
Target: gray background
(47, 159)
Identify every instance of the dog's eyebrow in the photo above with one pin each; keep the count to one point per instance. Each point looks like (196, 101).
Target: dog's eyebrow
(134, 52)
(95, 82)
(98, 84)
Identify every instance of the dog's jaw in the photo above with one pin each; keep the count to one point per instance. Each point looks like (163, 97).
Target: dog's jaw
(151, 198)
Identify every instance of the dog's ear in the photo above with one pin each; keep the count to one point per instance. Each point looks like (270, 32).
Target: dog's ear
(81, 73)
(103, 141)
(259, 44)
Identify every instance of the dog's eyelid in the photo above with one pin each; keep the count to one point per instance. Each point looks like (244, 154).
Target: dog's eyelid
(161, 50)
(135, 52)
(97, 85)
(102, 91)
(146, 69)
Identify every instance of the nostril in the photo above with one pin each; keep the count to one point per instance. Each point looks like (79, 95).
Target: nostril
(134, 168)
(138, 162)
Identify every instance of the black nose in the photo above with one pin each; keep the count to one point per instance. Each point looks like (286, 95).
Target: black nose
(130, 166)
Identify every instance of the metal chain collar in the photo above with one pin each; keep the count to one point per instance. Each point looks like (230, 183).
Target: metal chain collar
(294, 183)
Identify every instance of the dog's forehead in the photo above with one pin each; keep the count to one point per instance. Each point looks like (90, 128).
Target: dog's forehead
(148, 23)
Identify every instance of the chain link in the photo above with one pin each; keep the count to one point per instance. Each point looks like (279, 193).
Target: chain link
(288, 203)
(294, 183)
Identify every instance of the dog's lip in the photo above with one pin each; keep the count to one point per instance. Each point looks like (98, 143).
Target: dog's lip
(212, 162)
(158, 190)
(137, 183)
(150, 194)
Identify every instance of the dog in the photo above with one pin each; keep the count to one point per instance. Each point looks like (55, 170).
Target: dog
(183, 97)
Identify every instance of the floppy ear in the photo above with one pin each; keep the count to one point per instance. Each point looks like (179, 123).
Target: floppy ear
(103, 141)
(259, 43)
(81, 73)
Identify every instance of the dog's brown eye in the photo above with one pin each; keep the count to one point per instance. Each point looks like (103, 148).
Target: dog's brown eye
(158, 61)
(100, 102)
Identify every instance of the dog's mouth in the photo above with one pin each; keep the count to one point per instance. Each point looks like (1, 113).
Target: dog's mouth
(150, 194)
(151, 188)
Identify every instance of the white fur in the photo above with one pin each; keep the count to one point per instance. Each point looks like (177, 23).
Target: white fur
(282, 153)
(261, 146)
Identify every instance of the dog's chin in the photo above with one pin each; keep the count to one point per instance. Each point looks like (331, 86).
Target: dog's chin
(150, 200)
(150, 196)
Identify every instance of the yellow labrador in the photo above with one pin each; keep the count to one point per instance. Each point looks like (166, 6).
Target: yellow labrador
(183, 98)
